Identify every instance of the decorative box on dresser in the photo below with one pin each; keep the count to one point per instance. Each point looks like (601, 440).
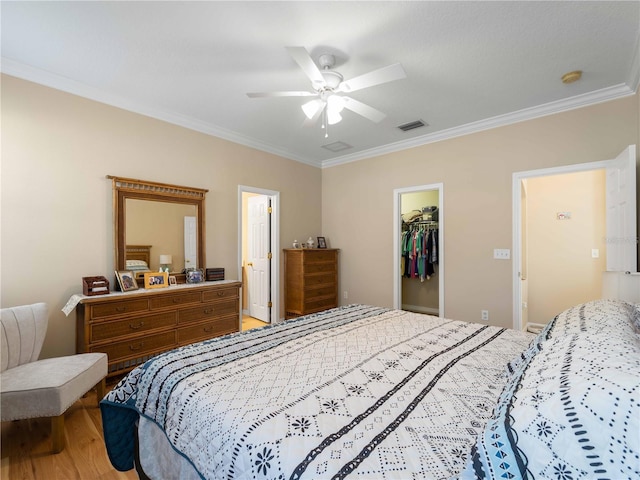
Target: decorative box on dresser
(131, 327)
(311, 280)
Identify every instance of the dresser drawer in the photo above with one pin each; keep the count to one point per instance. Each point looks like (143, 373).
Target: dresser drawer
(319, 268)
(320, 279)
(138, 346)
(320, 255)
(231, 292)
(319, 291)
(175, 299)
(320, 304)
(119, 308)
(209, 310)
(107, 330)
(213, 328)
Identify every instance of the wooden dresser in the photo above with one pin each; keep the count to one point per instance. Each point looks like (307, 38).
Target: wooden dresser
(311, 280)
(131, 327)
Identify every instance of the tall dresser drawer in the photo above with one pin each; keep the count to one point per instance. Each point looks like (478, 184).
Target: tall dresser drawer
(320, 268)
(119, 308)
(138, 346)
(313, 291)
(107, 330)
(320, 279)
(207, 311)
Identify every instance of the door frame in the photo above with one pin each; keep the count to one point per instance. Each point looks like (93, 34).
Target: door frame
(274, 316)
(517, 222)
(397, 232)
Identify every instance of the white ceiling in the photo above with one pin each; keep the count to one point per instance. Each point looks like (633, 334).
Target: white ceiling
(470, 65)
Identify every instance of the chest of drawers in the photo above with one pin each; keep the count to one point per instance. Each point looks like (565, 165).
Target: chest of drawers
(132, 327)
(311, 280)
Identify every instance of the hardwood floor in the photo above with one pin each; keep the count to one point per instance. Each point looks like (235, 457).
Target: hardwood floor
(26, 444)
(26, 447)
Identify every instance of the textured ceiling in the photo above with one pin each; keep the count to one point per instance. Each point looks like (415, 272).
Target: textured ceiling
(470, 65)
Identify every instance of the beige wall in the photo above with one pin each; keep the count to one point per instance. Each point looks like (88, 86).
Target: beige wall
(476, 170)
(56, 216)
(562, 272)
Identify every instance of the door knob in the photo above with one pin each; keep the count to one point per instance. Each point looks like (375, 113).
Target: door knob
(249, 264)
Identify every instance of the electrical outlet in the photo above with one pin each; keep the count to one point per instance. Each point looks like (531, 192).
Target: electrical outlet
(345, 294)
(484, 315)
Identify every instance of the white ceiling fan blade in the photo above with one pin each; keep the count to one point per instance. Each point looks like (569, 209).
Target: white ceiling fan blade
(280, 94)
(302, 58)
(309, 122)
(363, 109)
(376, 77)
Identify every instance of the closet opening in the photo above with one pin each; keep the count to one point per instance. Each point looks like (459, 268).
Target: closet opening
(419, 249)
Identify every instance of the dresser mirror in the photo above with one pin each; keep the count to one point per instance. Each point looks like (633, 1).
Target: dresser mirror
(157, 225)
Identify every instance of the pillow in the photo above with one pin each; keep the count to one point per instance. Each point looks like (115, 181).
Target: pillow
(137, 266)
(571, 408)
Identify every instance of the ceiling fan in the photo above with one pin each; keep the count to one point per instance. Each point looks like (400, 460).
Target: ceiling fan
(329, 85)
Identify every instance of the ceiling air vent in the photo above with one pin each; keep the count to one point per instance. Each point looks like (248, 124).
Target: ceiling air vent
(337, 146)
(411, 125)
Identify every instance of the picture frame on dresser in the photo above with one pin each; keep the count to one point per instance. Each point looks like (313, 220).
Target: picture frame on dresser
(126, 280)
(156, 279)
(322, 243)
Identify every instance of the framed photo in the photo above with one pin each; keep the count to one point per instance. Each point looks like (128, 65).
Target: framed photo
(322, 243)
(195, 276)
(126, 280)
(173, 280)
(156, 279)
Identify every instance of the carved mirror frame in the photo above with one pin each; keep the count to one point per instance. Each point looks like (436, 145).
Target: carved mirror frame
(128, 188)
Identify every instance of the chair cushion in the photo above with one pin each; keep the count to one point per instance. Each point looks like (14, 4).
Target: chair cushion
(46, 388)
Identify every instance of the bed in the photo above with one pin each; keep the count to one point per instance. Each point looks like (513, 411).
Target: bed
(138, 259)
(356, 391)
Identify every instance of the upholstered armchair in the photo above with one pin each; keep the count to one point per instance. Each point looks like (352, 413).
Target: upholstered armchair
(32, 388)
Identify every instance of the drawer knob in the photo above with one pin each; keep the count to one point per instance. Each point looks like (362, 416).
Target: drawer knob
(208, 328)
(133, 348)
(208, 311)
(176, 300)
(221, 294)
(137, 326)
(121, 309)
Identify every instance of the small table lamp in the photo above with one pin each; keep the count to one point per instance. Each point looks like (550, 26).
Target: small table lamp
(165, 263)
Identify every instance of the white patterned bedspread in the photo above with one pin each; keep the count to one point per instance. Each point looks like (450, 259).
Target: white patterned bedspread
(357, 390)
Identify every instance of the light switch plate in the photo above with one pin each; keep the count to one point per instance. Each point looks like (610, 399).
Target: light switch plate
(502, 253)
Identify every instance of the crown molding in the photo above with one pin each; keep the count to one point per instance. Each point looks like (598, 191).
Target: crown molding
(578, 101)
(58, 82)
(25, 72)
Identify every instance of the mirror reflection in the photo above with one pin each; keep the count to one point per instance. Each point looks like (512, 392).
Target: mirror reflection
(163, 229)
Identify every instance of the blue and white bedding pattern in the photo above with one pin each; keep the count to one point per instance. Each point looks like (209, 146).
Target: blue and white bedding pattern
(355, 391)
(571, 408)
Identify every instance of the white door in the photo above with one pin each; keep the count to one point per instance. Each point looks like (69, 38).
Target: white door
(524, 282)
(258, 257)
(190, 241)
(621, 213)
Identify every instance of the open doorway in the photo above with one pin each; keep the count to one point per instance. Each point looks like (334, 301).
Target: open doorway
(258, 252)
(588, 223)
(418, 287)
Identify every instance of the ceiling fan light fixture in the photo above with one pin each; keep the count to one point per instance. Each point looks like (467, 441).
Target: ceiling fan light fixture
(311, 108)
(333, 116)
